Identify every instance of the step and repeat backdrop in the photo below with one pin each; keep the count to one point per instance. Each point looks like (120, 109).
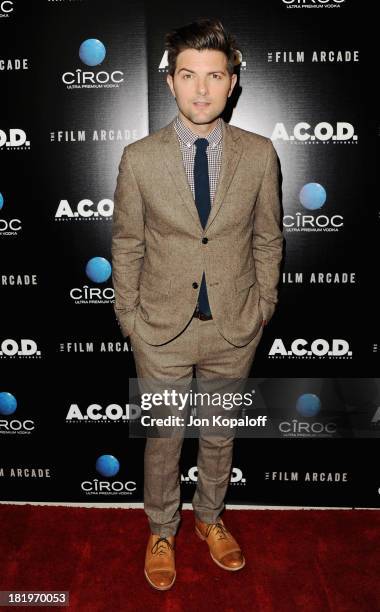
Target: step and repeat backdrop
(80, 80)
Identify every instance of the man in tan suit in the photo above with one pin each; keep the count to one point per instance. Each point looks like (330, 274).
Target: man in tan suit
(196, 249)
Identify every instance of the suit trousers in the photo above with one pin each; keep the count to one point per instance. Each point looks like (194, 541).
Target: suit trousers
(201, 345)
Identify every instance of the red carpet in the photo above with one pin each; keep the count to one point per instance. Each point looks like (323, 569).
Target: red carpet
(312, 560)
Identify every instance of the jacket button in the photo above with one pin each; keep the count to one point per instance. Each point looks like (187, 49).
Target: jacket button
(195, 285)
(205, 240)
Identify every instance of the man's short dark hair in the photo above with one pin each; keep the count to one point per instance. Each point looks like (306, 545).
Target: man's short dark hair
(201, 34)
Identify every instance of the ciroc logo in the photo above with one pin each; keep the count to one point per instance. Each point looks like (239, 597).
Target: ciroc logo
(10, 425)
(98, 270)
(108, 466)
(92, 52)
(312, 197)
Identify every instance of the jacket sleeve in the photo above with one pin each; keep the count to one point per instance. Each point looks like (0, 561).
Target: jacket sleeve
(267, 234)
(128, 244)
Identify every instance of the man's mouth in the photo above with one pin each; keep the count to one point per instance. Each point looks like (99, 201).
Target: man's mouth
(201, 103)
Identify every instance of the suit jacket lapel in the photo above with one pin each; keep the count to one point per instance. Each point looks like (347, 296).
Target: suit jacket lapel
(232, 150)
(171, 153)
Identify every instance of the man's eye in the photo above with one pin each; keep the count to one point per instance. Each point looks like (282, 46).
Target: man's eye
(217, 76)
(187, 75)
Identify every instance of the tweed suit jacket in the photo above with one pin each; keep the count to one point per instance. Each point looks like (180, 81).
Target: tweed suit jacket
(160, 249)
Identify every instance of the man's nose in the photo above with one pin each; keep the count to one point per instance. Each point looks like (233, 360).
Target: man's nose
(202, 86)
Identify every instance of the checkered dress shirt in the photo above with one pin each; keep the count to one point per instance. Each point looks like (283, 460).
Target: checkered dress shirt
(187, 139)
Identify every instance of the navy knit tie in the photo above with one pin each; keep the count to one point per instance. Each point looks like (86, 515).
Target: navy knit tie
(202, 201)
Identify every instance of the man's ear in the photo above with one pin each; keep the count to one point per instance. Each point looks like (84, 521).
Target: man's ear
(169, 80)
(233, 83)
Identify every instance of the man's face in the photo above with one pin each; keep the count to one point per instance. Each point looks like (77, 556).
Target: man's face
(201, 84)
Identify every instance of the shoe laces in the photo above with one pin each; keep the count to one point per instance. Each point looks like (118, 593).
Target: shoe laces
(221, 530)
(160, 546)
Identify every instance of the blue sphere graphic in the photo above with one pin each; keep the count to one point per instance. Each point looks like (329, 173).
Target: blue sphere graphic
(107, 465)
(313, 196)
(92, 52)
(98, 269)
(8, 403)
(1, 201)
(308, 404)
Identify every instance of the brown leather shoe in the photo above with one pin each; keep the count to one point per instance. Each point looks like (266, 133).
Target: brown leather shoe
(224, 549)
(159, 567)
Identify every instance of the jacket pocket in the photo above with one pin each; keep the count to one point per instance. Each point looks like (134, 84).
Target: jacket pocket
(245, 280)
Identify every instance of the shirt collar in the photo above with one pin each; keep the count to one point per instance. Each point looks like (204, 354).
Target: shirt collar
(188, 137)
